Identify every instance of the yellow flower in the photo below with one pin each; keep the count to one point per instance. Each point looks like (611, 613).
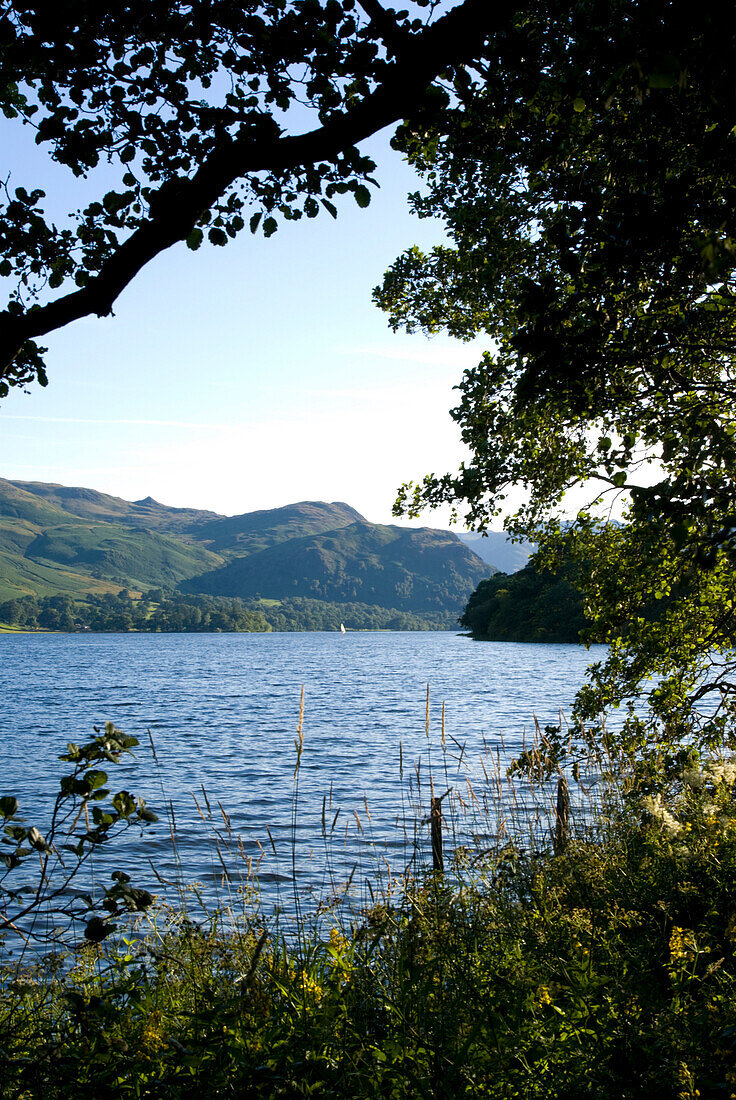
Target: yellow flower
(152, 1039)
(338, 942)
(681, 941)
(543, 997)
(310, 989)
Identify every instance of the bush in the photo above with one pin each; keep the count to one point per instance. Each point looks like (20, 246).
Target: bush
(603, 967)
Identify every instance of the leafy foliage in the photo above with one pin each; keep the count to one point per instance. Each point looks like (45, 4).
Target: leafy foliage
(586, 179)
(39, 888)
(156, 611)
(192, 117)
(605, 969)
(533, 605)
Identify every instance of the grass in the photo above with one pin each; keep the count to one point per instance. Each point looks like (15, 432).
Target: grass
(601, 964)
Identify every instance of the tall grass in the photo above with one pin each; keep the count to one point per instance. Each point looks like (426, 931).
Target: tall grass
(590, 960)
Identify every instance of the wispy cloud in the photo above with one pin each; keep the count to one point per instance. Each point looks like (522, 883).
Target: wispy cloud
(120, 421)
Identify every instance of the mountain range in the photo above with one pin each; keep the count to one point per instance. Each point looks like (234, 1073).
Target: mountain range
(60, 540)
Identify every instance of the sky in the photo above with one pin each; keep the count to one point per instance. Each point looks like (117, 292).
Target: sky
(250, 376)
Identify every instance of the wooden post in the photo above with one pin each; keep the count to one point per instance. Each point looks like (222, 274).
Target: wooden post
(435, 819)
(562, 814)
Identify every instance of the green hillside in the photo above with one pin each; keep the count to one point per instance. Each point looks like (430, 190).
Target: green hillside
(89, 504)
(17, 503)
(533, 605)
(136, 557)
(321, 562)
(404, 568)
(256, 531)
(45, 550)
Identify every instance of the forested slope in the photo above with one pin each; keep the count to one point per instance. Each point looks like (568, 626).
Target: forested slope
(308, 565)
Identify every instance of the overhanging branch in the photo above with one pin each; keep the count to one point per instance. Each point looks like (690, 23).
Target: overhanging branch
(454, 39)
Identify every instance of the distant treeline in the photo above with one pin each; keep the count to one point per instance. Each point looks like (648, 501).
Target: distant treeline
(157, 611)
(154, 612)
(533, 605)
(301, 613)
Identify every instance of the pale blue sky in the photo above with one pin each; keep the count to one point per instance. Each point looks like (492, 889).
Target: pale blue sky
(250, 376)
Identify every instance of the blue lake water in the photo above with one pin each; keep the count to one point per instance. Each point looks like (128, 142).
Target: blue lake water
(222, 710)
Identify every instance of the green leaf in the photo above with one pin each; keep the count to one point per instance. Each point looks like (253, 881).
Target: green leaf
(8, 806)
(663, 80)
(270, 226)
(195, 239)
(124, 803)
(362, 196)
(97, 930)
(95, 779)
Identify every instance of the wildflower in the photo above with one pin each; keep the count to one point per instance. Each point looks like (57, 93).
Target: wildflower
(152, 1039)
(543, 996)
(309, 987)
(693, 778)
(653, 806)
(681, 943)
(338, 942)
(720, 771)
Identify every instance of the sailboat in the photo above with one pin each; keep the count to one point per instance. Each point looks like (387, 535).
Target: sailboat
(342, 628)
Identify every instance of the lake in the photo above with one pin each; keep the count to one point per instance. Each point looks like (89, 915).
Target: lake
(222, 710)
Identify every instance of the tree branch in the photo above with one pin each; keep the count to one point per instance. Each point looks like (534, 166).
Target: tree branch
(177, 206)
(391, 33)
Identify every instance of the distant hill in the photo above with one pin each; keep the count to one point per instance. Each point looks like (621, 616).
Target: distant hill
(62, 540)
(412, 569)
(532, 605)
(88, 504)
(47, 549)
(256, 531)
(497, 549)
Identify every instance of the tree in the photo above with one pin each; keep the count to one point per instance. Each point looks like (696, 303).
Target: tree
(200, 110)
(586, 179)
(533, 605)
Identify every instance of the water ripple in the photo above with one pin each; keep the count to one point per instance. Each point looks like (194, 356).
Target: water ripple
(223, 708)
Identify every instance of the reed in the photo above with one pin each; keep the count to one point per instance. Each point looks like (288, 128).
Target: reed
(594, 959)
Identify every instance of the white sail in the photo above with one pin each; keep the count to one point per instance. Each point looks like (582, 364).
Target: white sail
(342, 628)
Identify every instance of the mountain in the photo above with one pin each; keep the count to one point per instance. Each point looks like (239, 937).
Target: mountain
(413, 569)
(256, 531)
(62, 540)
(497, 549)
(88, 504)
(47, 548)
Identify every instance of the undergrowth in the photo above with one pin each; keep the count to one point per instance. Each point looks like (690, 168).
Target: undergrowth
(599, 963)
